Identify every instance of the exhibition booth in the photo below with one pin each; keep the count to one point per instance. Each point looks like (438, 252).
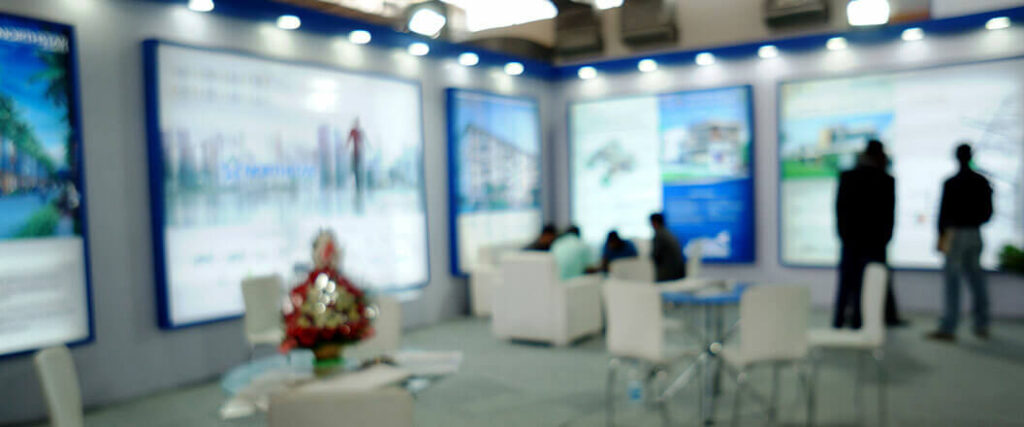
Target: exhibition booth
(152, 158)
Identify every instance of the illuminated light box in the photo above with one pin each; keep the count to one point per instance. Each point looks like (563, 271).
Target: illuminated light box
(687, 154)
(494, 168)
(250, 157)
(921, 116)
(44, 278)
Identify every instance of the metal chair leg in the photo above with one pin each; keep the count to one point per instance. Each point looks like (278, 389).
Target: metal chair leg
(773, 403)
(879, 356)
(613, 366)
(858, 396)
(741, 381)
(812, 380)
(660, 375)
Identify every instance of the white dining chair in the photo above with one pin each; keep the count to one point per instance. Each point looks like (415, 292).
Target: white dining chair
(263, 297)
(383, 407)
(694, 259)
(868, 341)
(635, 334)
(771, 332)
(56, 371)
(635, 269)
(387, 327)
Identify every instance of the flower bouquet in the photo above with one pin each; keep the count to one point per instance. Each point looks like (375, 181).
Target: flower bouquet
(326, 312)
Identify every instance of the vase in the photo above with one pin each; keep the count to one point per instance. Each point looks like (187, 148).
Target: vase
(328, 359)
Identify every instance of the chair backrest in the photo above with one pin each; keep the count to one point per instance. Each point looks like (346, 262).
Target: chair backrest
(635, 321)
(262, 296)
(387, 327)
(694, 258)
(521, 301)
(632, 269)
(56, 371)
(773, 323)
(532, 269)
(383, 407)
(876, 278)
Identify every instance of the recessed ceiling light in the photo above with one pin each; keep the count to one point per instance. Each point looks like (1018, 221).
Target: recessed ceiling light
(768, 51)
(200, 5)
(836, 43)
(912, 34)
(705, 58)
(419, 49)
(867, 12)
(360, 37)
(998, 23)
(427, 21)
(587, 73)
(514, 68)
(289, 22)
(469, 59)
(647, 65)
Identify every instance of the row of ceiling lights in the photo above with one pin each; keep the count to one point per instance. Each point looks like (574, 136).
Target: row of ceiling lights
(768, 51)
(361, 37)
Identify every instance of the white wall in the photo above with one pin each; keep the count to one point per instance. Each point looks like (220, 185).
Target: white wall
(916, 291)
(131, 356)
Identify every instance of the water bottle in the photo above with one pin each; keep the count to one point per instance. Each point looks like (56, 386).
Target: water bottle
(635, 389)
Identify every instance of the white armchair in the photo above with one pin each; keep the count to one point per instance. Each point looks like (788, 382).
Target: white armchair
(485, 275)
(531, 303)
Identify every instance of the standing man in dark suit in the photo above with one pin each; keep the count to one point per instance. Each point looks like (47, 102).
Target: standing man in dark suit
(865, 216)
(966, 206)
(669, 262)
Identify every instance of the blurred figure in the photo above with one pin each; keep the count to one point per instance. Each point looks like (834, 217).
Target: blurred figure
(616, 248)
(544, 241)
(865, 215)
(669, 262)
(966, 205)
(571, 254)
(356, 140)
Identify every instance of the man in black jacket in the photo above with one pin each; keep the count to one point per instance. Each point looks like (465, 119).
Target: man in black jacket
(667, 254)
(865, 211)
(966, 205)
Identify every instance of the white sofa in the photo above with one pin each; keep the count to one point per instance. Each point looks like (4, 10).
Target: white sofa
(486, 274)
(384, 407)
(531, 303)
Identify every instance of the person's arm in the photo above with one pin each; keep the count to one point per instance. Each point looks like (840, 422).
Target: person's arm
(657, 249)
(944, 208)
(842, 206)
(986, 203)
(890, 208)
(631, 250)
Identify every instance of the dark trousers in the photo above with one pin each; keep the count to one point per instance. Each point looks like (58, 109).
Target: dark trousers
(851, 281)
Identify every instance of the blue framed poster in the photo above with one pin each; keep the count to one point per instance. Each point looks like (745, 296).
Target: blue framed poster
(251, 157)
(686, 154)
(494, 161)
(44, 265)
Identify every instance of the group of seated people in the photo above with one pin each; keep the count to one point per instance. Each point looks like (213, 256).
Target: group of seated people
(574, 258)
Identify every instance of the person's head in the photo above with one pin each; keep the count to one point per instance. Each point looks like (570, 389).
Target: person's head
(657, 220)
(573, 230)
(548, 233)
(613, 241)
(874, 154)
(964, 155)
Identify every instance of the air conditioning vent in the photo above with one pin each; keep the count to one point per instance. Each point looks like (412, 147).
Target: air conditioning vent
(577, 30)
(645, 22)
(789, 12)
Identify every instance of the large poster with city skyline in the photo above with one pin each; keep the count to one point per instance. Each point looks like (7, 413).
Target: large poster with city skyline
(686, 154)
(253, 156)
(921, 116)
(494, 168)
(43, 274)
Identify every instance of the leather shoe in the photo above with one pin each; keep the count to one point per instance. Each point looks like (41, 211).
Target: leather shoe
(941, 336)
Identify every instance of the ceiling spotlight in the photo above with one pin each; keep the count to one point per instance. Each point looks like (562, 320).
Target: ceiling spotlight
(606, 4)
(768, 51)
(514, 68)
(836, 43)
(427, 21)
(647, 65)
(912, 34)
(289, 22)
(360, 37)
(419, 49)
(469, 59)
(998, 23)
(587, 73)
(200, 5)
(867, 12)
(705, 58)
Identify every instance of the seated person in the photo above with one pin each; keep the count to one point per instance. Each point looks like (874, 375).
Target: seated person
(571, 255)
(544, 241)
(616, 248)
(669, 261)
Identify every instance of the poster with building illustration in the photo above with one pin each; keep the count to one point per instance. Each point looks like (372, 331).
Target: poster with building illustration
(921, 116)
(494, 168)
(256, 155)
(43, 274)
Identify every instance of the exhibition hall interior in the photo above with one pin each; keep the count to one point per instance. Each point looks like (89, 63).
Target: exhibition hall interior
(557, 213)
